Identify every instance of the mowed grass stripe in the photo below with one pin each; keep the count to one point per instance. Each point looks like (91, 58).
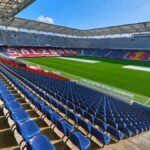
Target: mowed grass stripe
(106, 72)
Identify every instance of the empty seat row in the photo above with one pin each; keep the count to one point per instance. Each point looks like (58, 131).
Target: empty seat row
(68, 130)
(25, 126)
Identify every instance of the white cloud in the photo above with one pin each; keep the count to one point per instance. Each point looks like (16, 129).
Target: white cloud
(44, 19)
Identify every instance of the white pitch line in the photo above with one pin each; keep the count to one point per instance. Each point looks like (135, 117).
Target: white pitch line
(147, 101)
(80, 60)
(147, 69)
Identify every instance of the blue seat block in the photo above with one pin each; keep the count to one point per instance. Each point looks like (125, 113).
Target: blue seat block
(20, 116)
(40, 142)
(80, 140)
(28, 129)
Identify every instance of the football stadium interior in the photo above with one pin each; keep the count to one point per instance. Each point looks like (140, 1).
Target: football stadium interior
(63, 88)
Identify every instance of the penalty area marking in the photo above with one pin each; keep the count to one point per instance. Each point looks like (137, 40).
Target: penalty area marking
(80, 60)
(147, 69)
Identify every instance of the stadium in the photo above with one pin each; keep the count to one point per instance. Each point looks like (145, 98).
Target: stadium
(63, 88)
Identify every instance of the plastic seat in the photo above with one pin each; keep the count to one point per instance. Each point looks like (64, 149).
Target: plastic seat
(69, 127)
(56, 117)
(8, 97)
(113, 124)
(125, 130)
(103, 138)
(28, 129)
(85, 125)
(39, 104)
(133, 129)
(20, 116)
(73, 116)
(63, 109)
(71, 105)
(80, 111)
(65, 127)
(89, 116)
(4, 91)
(116, 134)
(101, 124)
(54, 103)
(40, 142)
(46, 109)
(80, 140)
(13, 105)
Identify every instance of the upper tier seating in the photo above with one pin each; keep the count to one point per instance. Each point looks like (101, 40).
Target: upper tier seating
(20, 38)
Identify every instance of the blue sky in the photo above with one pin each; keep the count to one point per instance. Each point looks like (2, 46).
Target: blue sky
(88, 14)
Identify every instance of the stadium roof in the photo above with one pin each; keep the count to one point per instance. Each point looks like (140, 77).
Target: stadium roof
(39, 26)
(9, 8)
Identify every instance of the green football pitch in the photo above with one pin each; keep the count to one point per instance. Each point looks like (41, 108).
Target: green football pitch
(107, 71)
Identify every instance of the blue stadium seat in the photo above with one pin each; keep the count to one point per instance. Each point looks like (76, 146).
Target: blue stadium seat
(63, 109)
(80, 111)
(73, 116)
(28, 129)
(85, 125)
(133, 129)
(103, 138)
(115, 133)
(80, 140)
(20, 116)
(101, 124)
(13, 105)
(71, 105)
(125, 130)
(8, 97)
(46, 110)
(40, 142)
(65, 127)
(89, 116)
(56, 117)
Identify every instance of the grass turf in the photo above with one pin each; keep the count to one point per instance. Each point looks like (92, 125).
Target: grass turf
(108, 71)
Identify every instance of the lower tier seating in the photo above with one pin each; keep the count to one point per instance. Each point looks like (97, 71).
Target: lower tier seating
(119, 54)
(36, 52)
(28, 129)
(84, 115)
